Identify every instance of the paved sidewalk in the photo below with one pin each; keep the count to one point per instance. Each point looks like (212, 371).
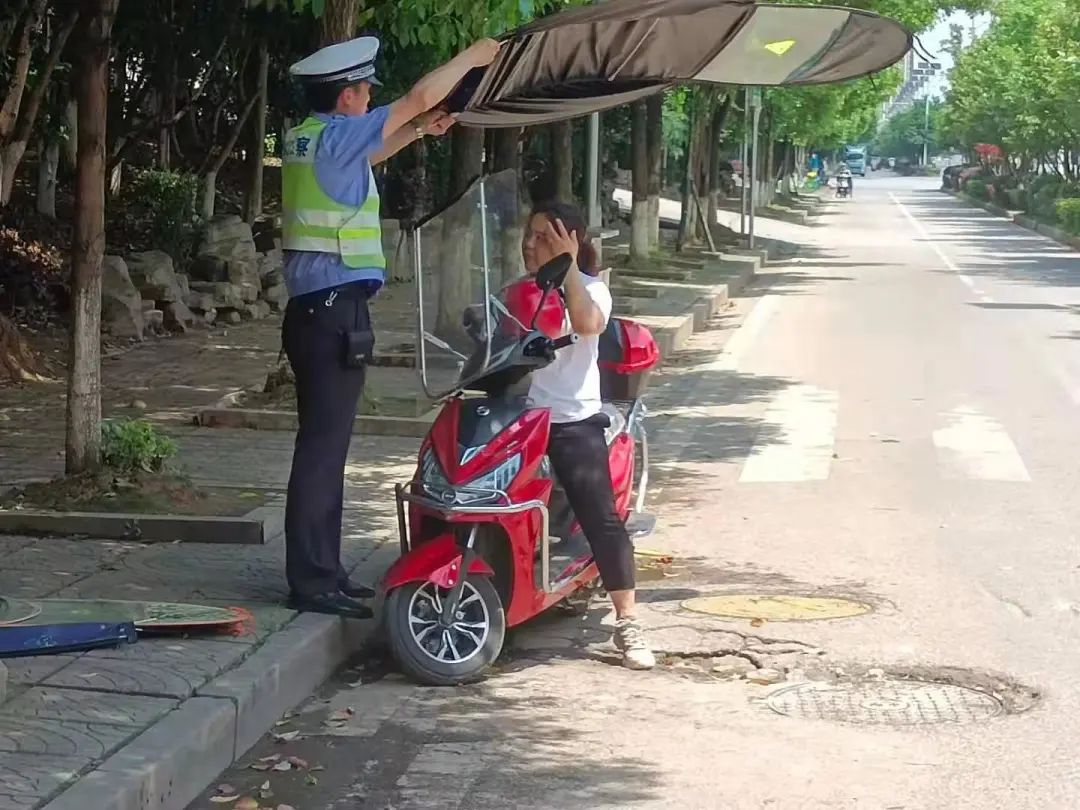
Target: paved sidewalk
(151, 725)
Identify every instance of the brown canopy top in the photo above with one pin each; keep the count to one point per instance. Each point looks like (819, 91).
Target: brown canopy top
(601, 56)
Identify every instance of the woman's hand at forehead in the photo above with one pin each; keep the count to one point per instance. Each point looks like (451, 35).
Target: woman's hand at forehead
(561, 240)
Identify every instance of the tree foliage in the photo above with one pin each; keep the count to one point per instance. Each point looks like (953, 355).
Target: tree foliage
(1018, 85)
(905, 133)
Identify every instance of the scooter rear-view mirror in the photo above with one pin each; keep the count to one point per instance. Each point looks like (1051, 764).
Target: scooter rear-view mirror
(548, 277)
(552, 274)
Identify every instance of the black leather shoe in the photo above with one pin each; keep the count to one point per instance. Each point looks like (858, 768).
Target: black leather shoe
(355, 591)
(334, 604)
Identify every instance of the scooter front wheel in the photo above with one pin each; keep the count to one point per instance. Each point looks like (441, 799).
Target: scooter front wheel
(445, 654)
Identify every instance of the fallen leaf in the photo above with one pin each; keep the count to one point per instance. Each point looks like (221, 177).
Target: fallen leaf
(271, 758)
(285, 807)
(226, 789)
(223, 799)
(319, 768)
(282, 723)
(247, 803)
(310, 780)
(341, 715)
(757, 622)
(286, 736)
(265, 785)
(284, 765)
(297, 762)
(260, 766)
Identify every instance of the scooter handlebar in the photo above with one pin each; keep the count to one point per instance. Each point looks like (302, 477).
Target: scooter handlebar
(564, 341)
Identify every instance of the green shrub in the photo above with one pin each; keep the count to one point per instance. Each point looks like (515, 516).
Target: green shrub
(976, 187)
(131, 446)
(1042, 192)
(1068, 214)
(169, 201)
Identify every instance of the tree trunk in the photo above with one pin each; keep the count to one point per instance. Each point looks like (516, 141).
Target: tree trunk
(338, 21)
(17, 359)
(210, 177)
(459, 228)
(70, 145)
(688, 222)
(83, 442)
(256, 151)
(506, 154)
(46, 189)
(654, 140)
(639, 181)
(562, 160)
(9, 111)
(15, 147)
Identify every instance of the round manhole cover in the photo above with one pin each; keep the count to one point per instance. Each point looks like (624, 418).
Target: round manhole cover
(885, 703)
(776, 607)
(13, 611)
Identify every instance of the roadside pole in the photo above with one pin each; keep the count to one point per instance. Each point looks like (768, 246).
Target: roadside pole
(754, 96)
(745, 154)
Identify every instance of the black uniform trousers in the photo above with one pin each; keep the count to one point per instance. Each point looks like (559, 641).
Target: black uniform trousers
(328, 389)
(579, 458)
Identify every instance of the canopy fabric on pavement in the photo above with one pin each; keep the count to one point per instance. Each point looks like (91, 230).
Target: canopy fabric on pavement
(601, 56)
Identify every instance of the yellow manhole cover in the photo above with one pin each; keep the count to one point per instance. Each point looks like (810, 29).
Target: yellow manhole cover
(776, 607)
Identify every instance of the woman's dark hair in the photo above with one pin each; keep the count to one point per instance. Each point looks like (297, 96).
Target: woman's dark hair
(574, 221)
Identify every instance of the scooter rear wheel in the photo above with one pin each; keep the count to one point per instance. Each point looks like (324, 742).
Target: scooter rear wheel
(445, 656)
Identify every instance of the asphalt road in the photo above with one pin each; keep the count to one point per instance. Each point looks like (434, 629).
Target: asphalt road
(888, 419)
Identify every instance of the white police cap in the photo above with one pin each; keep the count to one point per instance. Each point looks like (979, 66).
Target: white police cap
(345, 62)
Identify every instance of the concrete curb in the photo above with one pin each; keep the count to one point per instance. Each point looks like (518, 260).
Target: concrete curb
(254, 528)
(259, 419)
(1026, 222)
(169, 764)
(671, 332)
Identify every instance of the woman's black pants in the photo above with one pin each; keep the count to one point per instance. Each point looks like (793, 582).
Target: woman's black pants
(579, 457)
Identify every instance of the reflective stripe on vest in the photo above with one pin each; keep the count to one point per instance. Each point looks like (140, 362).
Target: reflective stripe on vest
(312, 220)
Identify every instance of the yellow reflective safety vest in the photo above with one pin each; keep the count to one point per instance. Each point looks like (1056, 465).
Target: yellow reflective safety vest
(313, 221)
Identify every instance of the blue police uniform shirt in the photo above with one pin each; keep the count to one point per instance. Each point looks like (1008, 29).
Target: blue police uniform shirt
(342, 163)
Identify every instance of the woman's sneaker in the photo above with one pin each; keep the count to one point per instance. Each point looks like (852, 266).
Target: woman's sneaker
(630, 640)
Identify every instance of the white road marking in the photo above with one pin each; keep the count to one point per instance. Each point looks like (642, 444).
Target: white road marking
(743, 339)
(968, 281)
(974, 445)
(797, 438)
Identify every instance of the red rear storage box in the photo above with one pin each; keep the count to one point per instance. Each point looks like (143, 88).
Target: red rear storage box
(627, 355)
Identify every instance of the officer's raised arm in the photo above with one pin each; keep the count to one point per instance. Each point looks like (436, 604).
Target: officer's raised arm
(433, 88)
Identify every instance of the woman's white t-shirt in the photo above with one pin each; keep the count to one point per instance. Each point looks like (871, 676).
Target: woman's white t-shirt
(570, 386)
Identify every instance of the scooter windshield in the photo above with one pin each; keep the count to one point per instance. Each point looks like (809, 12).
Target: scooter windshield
(462, 258)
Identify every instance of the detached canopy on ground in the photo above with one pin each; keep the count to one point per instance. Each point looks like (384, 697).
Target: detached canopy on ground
(597, 57)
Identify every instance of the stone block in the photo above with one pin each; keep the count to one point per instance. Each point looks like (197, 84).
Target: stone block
(121, 303)
(151, 267)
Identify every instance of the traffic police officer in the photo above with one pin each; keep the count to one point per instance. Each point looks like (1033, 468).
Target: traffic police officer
(333, 265)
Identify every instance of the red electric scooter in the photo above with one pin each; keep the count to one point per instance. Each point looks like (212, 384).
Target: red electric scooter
(488, 540)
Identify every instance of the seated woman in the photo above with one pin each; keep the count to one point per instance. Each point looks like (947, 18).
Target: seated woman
(570, 387)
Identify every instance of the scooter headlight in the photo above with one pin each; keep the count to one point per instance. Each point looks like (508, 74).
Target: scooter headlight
(479, 490)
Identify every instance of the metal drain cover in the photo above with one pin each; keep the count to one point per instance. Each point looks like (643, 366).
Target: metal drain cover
(773, 607)
(885, 703)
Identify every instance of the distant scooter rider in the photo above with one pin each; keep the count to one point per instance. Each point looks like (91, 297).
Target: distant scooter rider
(845, 178)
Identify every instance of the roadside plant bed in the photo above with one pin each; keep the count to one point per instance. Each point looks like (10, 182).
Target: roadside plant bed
(151, 508)
(137, 496)
(274, 408)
